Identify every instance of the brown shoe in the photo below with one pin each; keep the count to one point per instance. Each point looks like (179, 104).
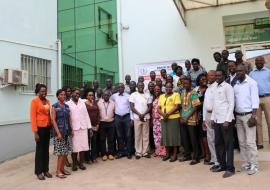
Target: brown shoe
(47, 174)
(82, 167)
(111, 157)
(40, 177)
(104, 158)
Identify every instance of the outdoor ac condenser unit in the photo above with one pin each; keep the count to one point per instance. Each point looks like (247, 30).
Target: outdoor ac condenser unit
(15, 77)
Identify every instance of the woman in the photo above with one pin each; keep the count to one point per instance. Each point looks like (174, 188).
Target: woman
(160, 150)
(40, 123)
(168, 106)
(93, 113)
(176, 81)
(80, 123)
(61, 133)
(200, 89)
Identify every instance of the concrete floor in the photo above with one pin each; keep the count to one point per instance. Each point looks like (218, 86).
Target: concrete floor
(150, 174)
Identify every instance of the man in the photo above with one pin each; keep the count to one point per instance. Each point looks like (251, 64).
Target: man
(127, 79)
(189, 118)
(164, 76)
(231, 79)
(261, 75)
(109, 86)
(207, 112)
(95, 85)
(140, 79)
(122, 122)
(153, 77)
(223, 65)
(188, 67)
(174, 67)
(159, 83)
(106, 109)
(133, 87)
(195, 71)
(240, 61)
(246, 105)
(217, 57)
(222, 116)
(140, 104)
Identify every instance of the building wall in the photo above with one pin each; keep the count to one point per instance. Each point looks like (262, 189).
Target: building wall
(26, 28)
(88, 30)
(156, 32)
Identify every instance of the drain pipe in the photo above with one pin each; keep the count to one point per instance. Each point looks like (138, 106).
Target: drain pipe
(59, 64)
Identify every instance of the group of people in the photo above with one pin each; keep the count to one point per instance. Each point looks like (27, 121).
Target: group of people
(195, 114)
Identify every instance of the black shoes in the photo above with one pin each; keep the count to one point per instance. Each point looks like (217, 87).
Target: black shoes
(214, 167)
(129, 156)
(218, 169)
(228, 174)
(118, 156)
(184, 159)
(137, 157)
(193, 162)
(260, 147)
(165, 158)
(147, 156)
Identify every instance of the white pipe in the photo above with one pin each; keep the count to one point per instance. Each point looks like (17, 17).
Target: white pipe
(26, 44)
(59, 63)
(120, 50)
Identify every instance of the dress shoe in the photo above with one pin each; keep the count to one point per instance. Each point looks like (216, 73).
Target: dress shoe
(129, 156)
(193, 162)
(82, 167)
(104, 158)
(47, 174)
(218, 169)
(111, 157)
(137, 157)
(173, 159)
(118, 156)
(184, 159)
(74, 167)
(40, 177)
(260, 147)
(227, 174)
(147, 156)
(165, 158)
(214, 167)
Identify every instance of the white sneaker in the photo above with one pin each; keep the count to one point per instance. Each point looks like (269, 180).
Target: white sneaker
(253, 170)
(245, 167)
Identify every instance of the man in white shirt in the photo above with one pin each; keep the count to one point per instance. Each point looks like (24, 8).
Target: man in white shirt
(140, 104)
(246, 105)
(207, 112)
(222, 116)
(122, 122)
(231, 79)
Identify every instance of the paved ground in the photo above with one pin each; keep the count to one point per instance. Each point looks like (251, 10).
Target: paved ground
(150, 174)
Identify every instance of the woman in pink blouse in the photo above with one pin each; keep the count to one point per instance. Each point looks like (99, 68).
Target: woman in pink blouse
(160, 150)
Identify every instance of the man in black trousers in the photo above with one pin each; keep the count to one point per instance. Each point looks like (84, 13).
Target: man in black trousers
(222, 116)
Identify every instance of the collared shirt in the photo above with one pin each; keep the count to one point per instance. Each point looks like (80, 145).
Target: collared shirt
(247, 65)
(223, 103)
(246, 95)
(172, 73)
(79, 115)
(231, 79)
(121, 103)
(106, 110)
(141, 102)
(262, 77)
(223, 66)
(194, 75)
(208, 101)
(127, 88)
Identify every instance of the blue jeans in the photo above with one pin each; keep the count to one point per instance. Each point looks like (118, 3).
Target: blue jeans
(123, 133)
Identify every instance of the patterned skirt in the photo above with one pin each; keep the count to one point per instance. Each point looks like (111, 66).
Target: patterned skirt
(63, 146)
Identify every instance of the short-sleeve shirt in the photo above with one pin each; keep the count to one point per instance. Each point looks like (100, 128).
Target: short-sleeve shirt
(189, 100)
(167, 103)
(141, 101)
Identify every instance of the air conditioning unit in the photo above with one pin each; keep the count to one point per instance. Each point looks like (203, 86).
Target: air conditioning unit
(15, 77)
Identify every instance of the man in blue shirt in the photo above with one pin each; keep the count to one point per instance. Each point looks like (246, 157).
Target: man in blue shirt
(261, 75)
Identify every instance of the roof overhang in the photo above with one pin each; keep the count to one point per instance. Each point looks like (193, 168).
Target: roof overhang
(186, 5)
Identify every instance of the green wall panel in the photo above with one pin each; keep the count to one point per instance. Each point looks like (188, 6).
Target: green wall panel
(65, 4)
(68, 42)
(83, 2)
(66, 20)
(85, 16)
(85, 39)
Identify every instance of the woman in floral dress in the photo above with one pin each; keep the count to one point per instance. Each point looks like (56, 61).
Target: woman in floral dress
(160, 150)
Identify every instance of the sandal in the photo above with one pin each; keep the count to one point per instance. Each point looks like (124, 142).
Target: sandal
(61, 176)
(65, 172)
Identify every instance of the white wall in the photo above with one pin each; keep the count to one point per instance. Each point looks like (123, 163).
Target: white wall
(27, 27)
(157, 32)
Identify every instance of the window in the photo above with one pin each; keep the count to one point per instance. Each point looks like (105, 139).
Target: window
(72, 76)
(39, 71)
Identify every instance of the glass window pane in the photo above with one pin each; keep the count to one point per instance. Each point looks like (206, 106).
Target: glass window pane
(85, 39)
(85, 17)
(65, 4)
(86, 61)
(83, 2)
(106, 36)
(68, 42)
(66, 20)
